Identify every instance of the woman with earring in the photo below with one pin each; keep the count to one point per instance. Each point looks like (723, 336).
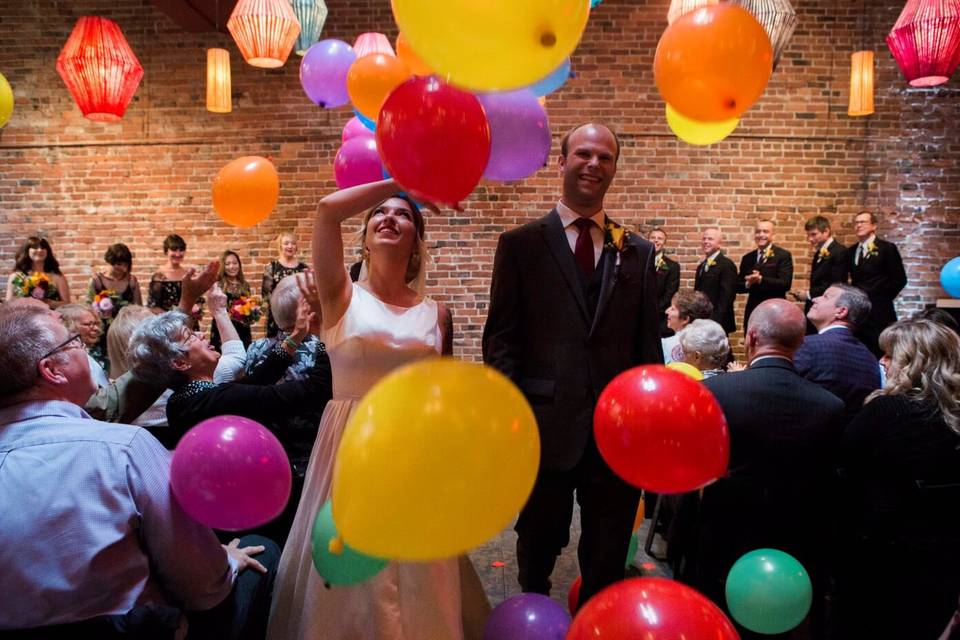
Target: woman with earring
(37, 275)
(369, 327)
(233, 284)
(287, 264)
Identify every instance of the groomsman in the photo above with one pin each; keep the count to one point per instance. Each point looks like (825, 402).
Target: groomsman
(716, 278)
(828, 267)
(766, 273)
(668, 278)
(876, 267)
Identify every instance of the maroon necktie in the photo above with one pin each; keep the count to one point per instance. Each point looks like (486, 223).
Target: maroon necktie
(583, 250)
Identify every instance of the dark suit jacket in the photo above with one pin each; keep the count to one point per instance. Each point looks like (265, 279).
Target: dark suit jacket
(784, 431)
(719, 284)
(541, 334)
(882, 277)
(777, 272)
(827, 271)
(841, 364)
(668, 283)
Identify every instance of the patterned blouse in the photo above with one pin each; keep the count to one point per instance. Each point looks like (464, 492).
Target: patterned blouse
(274, 273)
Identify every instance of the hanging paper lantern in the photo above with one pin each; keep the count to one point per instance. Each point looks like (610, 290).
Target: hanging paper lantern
(778, 19)
(264, 31)
(925, 41)
(861, 84)
(312, 14)
(368, 43)
(218, 81)
(680, 7)
(99, 68)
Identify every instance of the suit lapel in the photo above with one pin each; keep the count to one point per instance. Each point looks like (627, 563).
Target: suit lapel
(556, 240)
(608, 259)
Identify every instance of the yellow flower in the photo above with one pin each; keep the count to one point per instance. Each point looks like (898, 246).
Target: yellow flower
(711, 262)
(824, 253)
(769, 252)
(617, 235)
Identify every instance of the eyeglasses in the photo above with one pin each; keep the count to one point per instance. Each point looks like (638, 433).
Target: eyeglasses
(73, 342)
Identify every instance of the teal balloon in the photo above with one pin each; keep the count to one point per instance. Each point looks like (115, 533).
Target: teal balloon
(349, 567)
(950, 277)
(768, 591)
(632, 550)
(594, 3)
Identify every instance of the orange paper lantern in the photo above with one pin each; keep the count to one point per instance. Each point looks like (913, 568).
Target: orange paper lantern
(861, 84)
(264, 30)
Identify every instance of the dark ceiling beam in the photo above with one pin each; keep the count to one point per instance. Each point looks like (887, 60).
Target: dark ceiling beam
(198, 16)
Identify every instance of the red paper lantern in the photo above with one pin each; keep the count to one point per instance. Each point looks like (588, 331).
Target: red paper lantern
(99, 68)
(925, 41)
(264, 31)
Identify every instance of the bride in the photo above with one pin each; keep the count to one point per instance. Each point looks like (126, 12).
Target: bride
(369, 328)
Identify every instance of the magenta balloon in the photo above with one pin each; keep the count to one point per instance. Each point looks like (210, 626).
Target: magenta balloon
(519, 134)
(355, 128)
(323, 72)
(357, 162)
(230, 473)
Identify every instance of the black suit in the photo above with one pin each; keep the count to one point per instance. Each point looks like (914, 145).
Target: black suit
(561, 337)
(825, 271)
(882, 277)
(719, 284)
(777, 276)
(783, 434)
(668, 283)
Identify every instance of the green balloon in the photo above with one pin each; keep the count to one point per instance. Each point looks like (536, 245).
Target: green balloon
(632, 549)
(768, 591)
(348, 567)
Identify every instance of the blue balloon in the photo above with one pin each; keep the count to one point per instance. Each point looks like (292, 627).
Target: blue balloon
(552, 82)
(950, 277)
(594, 3)
(367, 122)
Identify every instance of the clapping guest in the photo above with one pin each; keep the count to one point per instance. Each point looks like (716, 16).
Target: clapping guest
(80, 319)
(287, 263)
(900, 460)
(233, 284)
(704, 345)
(37, 274)
(685, 307)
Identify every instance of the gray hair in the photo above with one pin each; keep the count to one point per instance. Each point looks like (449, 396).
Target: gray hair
(283, 302)
(72, 315)
(707, 338)
(856, 301)
(23, 340)
(153, 347)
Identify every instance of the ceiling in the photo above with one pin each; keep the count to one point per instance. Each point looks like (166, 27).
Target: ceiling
(198, 15)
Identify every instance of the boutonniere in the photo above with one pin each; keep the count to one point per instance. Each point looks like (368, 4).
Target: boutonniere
(711, 262)
(768, 253)
(824, 253)
(871, 251)
(615, 237)
(660, 264)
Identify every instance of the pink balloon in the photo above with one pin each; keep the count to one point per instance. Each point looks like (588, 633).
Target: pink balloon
(357, 162)
(230, 473)
(355, 128)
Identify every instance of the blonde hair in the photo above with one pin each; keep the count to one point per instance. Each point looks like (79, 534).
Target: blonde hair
(926, 366)
(72, 314)
(281, 236)
(118, 336)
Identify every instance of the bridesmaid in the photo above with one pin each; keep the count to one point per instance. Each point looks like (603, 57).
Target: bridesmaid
(287, 264)
(117, 279)
(163, 292)
(235, 286)
(35, 265)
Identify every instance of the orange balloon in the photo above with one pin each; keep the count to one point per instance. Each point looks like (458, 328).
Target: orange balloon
(713, 63)
(409, 57)
(246, 190)
(371, 79)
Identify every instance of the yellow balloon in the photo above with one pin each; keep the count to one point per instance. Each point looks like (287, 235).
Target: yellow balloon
(493, 45)
(687, 369)
(696, 132)
(6, 101)
(438, 458)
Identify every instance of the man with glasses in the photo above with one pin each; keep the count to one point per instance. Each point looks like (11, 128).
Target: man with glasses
(875, 267)
(92, 538)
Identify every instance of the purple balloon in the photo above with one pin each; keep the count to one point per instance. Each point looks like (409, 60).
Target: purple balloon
(355, 128)
(519, 134)
(230, 473)
(323, 72)
(527, 616)
(357, 162)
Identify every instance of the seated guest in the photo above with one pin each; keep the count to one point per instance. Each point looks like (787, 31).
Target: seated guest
(685, 307)
(80, 319)
(91, 529)
(118, 342)
(36, 274)
(704, 345)
(783, 434)
(940, 316)
(834, 357)
(899, 573)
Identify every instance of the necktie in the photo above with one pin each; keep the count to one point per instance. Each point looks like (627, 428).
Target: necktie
(860, 253)
(583, 250)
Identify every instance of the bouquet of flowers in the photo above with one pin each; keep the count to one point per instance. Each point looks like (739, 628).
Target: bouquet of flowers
(246, 309)
(106, 303)
(36, 285)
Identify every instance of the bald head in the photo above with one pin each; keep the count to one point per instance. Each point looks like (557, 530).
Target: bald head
(776, 328)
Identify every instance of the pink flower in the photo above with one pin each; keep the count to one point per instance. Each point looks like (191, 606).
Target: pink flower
(106, 305)
(39, 293)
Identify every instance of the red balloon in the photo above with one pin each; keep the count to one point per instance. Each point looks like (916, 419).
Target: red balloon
(434, 140)
(661, 430)
(573, 596)
(652, 609)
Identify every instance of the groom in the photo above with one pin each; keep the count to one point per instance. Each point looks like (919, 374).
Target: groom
(573, 304)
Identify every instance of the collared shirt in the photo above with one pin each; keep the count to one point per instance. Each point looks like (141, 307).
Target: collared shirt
(568, 216)
(826, 243)
(706, 261)
(90, 524)
(862, 248)
(759, 358)
(832, 327)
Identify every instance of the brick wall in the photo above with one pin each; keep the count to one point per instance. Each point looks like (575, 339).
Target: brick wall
(85, 185)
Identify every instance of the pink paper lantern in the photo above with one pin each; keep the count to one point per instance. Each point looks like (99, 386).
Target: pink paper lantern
(925, 41)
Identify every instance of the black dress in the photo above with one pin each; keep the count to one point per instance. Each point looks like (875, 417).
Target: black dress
(234, 293)
(274, 273)
(163, 294)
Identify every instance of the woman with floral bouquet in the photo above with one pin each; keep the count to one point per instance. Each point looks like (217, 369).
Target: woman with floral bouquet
(244, 309)
(163, 292)
(37, 275)
(113, 288)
